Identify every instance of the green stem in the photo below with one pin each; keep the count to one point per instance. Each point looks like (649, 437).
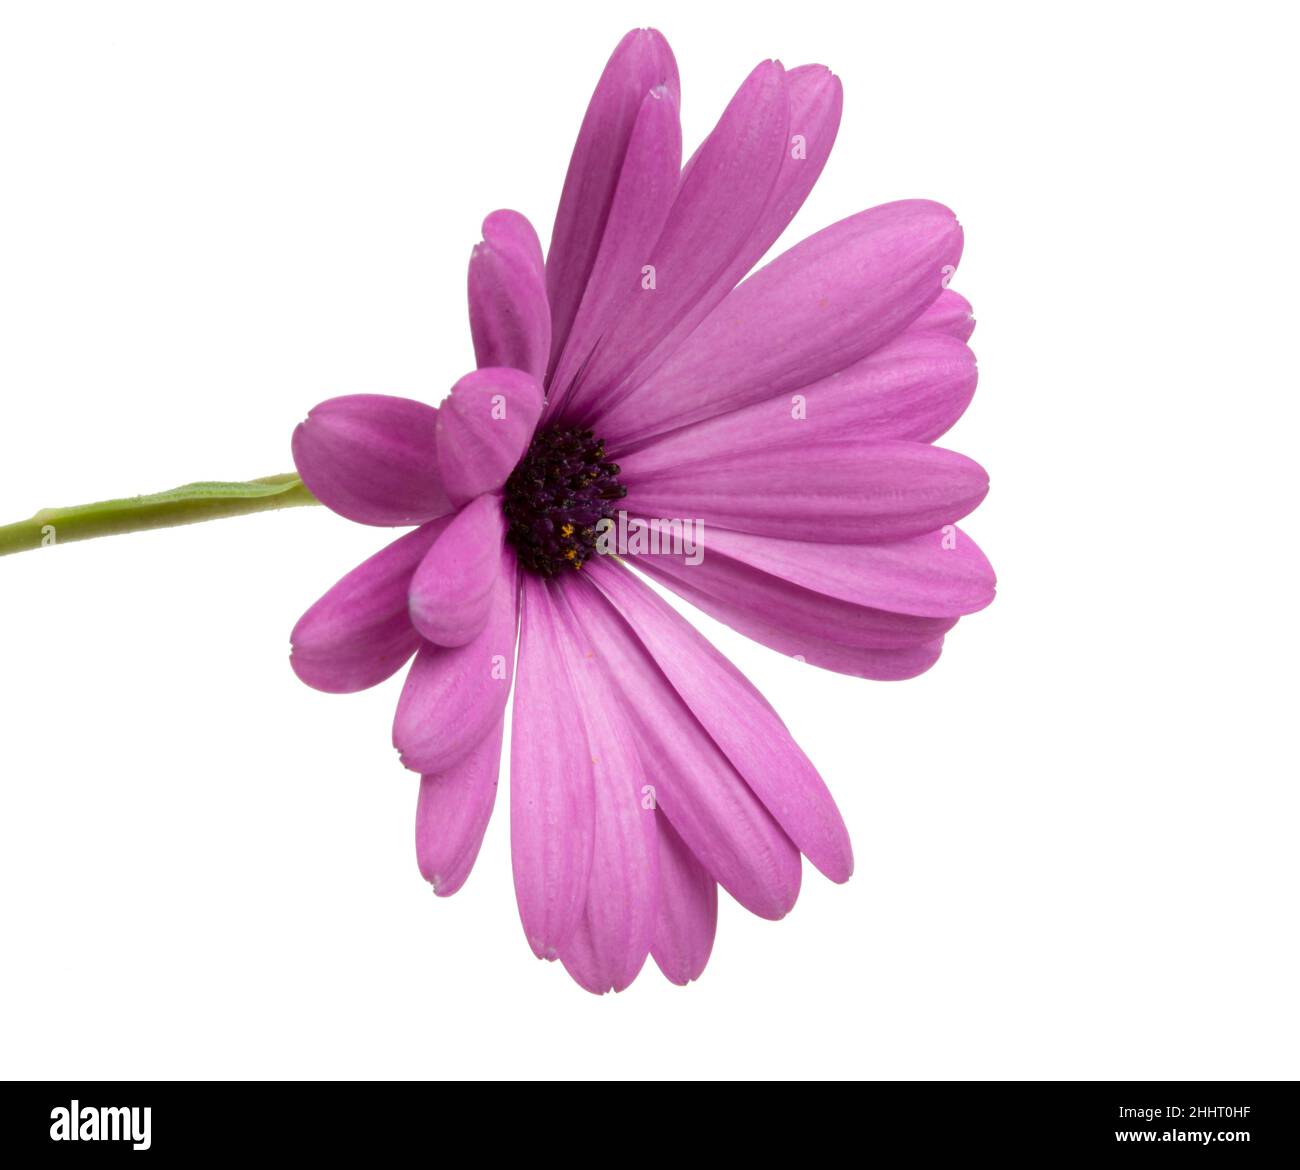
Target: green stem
(183, 505)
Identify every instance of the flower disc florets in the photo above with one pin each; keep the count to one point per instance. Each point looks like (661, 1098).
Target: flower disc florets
(555, 498)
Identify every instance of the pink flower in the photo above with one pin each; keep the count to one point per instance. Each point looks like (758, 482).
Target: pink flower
(789, 418)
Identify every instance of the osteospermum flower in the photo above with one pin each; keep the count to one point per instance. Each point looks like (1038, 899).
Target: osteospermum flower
(629, 374)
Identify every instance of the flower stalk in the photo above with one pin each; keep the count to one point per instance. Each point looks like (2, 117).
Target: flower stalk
(189, 504)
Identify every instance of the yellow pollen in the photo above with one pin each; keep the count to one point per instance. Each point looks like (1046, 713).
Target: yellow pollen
(566, 530)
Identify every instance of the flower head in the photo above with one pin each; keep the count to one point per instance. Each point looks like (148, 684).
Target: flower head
(631, 381)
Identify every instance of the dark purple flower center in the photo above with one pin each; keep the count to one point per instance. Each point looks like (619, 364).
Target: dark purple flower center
(561, 490)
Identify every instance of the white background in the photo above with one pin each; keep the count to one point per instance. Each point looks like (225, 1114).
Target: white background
(1076, 836)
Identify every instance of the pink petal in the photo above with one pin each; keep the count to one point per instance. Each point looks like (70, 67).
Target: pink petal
(950, 314)
(453, 813)
(693, 783)
(937, 574)
(793, 607)
(612, 939)
(842, 490)
(359, 633)
(816, 102)
(454, 695)
(688, 910)
(552, 787)
(738, 719)
(640, 206)
(373, 459)
(816, 309)
(508, 315)
(484, 428)
(914, 388)
(716, 211)
(451, 592)
(825, 652)
(641, 62)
